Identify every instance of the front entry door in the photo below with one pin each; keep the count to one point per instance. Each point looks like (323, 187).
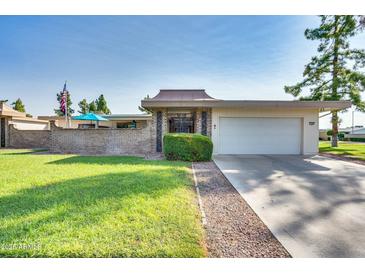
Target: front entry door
(2, 132)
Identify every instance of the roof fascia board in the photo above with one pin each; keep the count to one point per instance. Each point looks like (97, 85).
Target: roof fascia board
(322, 105)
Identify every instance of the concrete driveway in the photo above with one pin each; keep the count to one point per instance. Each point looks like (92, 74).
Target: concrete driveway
(315, 206)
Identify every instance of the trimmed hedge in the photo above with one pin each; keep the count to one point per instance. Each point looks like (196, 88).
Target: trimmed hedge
(187, 147)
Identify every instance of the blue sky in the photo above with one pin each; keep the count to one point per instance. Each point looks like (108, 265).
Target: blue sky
(127, 57)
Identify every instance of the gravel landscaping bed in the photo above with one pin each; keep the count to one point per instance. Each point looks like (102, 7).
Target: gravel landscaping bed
(232, 229)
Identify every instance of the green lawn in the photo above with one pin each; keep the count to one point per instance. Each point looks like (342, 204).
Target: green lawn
(352, 150)
(79, 206)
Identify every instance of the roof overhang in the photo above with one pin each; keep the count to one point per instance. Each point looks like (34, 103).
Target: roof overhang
(29, 119)
(320, 105)
(5, 110)
(121, 117)
(111, 117)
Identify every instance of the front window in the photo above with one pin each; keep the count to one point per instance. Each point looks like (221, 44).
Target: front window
(181, 122)
(132, 124)
(83, 126)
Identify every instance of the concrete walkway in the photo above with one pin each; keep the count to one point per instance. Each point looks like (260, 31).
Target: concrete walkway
(315, 206)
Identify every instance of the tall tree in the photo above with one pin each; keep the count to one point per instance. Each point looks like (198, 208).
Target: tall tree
(18, 105)
(142, 109)
(92, 107)
(335, 73)
(101, 105)
(84, 106)
(58, 111)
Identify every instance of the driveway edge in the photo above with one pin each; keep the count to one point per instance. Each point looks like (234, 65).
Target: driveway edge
(200, 202)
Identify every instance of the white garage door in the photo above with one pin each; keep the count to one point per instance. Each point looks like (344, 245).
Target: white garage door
(260, 135)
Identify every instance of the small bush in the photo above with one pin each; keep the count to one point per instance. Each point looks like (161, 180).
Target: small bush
(341, 136)
(187, 147)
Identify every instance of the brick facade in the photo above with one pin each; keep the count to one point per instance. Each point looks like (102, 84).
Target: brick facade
(131, 141)
(86, 141)
(209, 122)
(28, 138)
(198, 120)
(103, 140)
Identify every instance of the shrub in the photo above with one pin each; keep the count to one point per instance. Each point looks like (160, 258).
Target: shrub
(340, 135)
(187, 147)
(357, 139)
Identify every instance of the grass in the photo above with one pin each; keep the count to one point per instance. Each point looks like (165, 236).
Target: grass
(353, 150)
(101, 206)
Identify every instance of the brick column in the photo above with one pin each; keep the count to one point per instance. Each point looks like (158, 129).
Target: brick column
(209, 122)
(4, 124)
(198, 121)
(159, 129)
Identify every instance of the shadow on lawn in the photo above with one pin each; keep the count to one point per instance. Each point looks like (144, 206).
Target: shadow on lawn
(344, 150)
(21, 151)
(114, 160)
(76, 201)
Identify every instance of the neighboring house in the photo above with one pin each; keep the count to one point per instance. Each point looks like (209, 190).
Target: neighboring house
(348, 130)
(356, 131)
(356, 134)
(115, 121)
(9, 116)
(323, 135)
(240, 126)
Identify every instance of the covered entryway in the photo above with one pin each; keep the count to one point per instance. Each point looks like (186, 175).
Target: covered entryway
(260, 135)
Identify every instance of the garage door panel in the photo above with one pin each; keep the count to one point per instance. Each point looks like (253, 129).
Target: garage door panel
(260, 135)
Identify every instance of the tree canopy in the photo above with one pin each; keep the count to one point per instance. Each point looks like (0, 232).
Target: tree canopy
(58, 110)
(97, 106)
(92, 107)
(84, 107)
(142, 109)
(18, 105)
(101, 105)
(336, 72)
